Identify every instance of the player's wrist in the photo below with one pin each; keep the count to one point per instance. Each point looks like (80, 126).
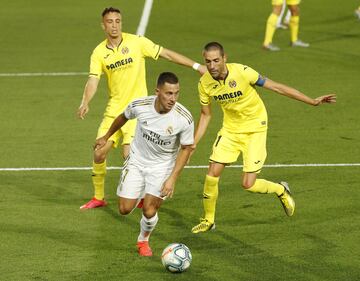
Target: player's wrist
(196, 66)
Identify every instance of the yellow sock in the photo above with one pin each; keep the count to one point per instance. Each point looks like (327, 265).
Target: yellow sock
(294, 28)
(98, 178)
(210, 195)
(264, 186)
(270, 28)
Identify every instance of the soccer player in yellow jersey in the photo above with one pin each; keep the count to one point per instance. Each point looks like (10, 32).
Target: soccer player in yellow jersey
(293, 6)
(121, 56)
(233, 87)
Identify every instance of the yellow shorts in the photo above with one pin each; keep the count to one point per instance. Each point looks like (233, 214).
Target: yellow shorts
(228, 146)
(126, 132)
(288, 2)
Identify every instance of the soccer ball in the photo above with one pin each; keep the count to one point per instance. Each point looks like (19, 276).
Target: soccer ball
(176, 257)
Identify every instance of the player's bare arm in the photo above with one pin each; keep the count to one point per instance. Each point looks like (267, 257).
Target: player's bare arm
(204, 120)
(182, 60)
(89, 92)
(116, 125)
(295, 94)
(181, 159)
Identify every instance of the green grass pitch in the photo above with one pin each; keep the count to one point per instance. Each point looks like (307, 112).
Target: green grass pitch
(43, 234)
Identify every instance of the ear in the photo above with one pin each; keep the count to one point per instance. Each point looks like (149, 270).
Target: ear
(157, 91)
(102, 26)
(225, 57)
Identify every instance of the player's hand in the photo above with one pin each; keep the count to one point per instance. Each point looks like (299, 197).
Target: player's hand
(83, 109)
(99, 143)
(167, 189)
(325, 99)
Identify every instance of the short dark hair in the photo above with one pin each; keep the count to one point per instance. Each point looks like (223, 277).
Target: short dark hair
(214, 46)
(110, 10)
(167, 77)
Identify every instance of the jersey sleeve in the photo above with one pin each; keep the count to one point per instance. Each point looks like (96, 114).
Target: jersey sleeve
(251, 74)
(149, 48)
(130, 111)
(187, 135)
(203, 96)
(95, 65)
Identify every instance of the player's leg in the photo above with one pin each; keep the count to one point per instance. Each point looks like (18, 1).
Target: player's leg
(211, 190)
(130, 188)
(254, 155)
(155, 176)
(225, 151)
(271, 26)
(98, 177)
(128, 132)
(99, 165)
(148, 222)
(294, 24)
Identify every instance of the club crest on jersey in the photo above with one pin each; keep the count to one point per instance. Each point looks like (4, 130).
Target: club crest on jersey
(125, 50)
(232, 84)
(169, 130)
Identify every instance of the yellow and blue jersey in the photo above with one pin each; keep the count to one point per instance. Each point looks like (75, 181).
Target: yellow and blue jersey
(243, 109)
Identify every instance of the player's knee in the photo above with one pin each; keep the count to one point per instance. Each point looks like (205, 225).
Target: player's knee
(277, 10)
(149, 212)
(124, 210)
(295, 10)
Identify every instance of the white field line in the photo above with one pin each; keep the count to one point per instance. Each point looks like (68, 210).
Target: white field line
(144, 18)
(186, 167)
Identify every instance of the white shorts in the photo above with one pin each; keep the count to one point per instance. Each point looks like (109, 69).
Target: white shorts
(136, 181)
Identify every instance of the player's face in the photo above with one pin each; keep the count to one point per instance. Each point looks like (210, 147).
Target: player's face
(112, 24)
(167, 96)
(215, 63)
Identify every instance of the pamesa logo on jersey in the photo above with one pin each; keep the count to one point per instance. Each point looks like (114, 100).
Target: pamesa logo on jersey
(119, 63)
(228, 97)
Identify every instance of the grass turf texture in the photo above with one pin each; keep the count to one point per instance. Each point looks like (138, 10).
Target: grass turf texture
(45, 236)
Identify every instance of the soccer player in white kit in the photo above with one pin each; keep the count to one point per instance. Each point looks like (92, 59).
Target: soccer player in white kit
(159, 151)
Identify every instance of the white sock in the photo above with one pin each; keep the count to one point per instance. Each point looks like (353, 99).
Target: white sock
(147, 226)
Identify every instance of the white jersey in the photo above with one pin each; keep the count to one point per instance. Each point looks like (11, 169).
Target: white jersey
(158, 136)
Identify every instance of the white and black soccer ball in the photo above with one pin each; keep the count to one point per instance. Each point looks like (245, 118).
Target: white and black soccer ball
(176, 257)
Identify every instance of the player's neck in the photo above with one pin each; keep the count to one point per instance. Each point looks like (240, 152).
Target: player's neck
(159, 108)
(114, 42)
(224, 74)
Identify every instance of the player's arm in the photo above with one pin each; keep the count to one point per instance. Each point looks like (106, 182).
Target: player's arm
(89, 92)
(116, 125)
(295, 94)
(182, 60)
(181, 160)
(204, 120)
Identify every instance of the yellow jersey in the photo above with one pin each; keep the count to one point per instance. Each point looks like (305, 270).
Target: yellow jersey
(244, 111)
(124, 67)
